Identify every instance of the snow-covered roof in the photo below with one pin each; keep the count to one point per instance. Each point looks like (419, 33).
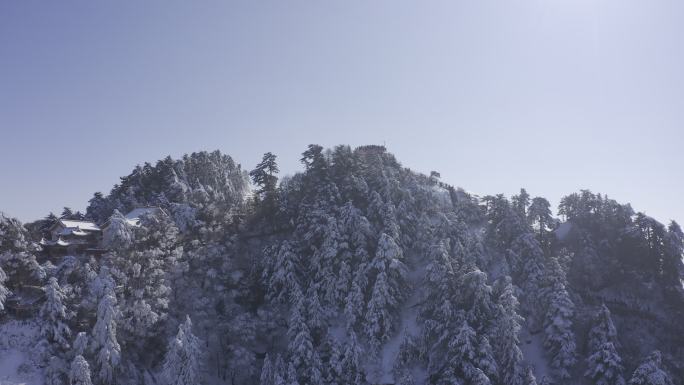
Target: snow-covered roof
(58, 242)
(133, 217)
(81, 225)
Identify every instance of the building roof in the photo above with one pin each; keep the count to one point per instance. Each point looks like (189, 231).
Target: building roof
(133, 217)
(80, 225)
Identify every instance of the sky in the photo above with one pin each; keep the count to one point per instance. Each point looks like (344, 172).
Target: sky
(551, 95)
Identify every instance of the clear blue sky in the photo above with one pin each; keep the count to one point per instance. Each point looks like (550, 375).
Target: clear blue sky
(553, 95)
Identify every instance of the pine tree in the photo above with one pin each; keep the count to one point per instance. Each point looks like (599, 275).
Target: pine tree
(559, 337)
(673, 258)
(378, 316)
(352, 366)
(118, 234)
(142, 272)
(80, 372)
(54, 315)
(650, 372)
(4, 292)
(467, 359)
(540, 216)
(67, 213)
(292, 375)
(282, 274)
(604, 365)
(521, 202)
(354, 303)
(529, 378)
(264, 176)
(506, 329)
(105, 344)
(267, 372)
(301, 346)
(334, 370)
(56, 371)
(182, 363)
(387, 292)
(80, 345)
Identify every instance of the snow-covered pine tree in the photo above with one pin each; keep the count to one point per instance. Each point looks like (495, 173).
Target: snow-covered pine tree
(604, 365)
(54, 315)
(355, 302)
(407, 354)
(540, 217)
(352, 365)
(465, 359)
(387, 293)
(4, 292)
(104, 343)
(506, 327)
(142, 272)
(292, 378)
(650, 372)
(56, 371)
(118, 234)
(17, 256)
(303, 355)
(80, 345)
(529, 378)
(281, 274)
(267, 372)
(264, 176)
(559, 338)
(182, 363)
(80, 372)
(476, 295)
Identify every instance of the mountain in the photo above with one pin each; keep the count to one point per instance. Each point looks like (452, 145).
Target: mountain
(356, 270)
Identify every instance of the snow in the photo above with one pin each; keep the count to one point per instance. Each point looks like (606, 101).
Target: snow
(82, 225)
(15, 369)
(18, 354)
(381, 372)
(441, 196)
(133, 217)
(532, 346)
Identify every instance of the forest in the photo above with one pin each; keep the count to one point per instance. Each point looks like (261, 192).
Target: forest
(356, 270)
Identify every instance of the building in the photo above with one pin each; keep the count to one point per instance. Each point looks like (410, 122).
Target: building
(133, 218)
(72, 237)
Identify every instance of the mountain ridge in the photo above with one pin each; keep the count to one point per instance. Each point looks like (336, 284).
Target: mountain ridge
(312, 278)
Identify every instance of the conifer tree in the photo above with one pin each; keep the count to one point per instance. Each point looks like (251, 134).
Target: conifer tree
(264, 176)
(387, 292)
(559, 337)
(182, 363)
(142, 271)
(506, 329)
(105, 345)
(650, 372)
(521, 202)
(80, 372)
(118, 234)
(352, 364)
(267, 372)
(301, 346)
(56, 371)
(604, 365)
(540, 216)
(54, 314)
(4, 292)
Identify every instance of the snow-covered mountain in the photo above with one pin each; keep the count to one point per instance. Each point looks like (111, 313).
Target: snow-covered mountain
(355, 271)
